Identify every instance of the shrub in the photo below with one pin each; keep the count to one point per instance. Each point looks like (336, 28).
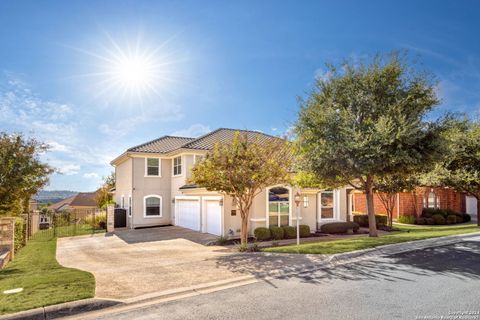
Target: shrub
(406, 219)
(222, 241)
(466, 217)
(438, 219)
(304, 230)
(421, 221)
(452, 219)
(277, 233)
(289, 232)
(19, 234)
(97, 221)
(459, 217)
(262, 233)
(362, 220)
(339, 227)
(428, 212)
(429, 221)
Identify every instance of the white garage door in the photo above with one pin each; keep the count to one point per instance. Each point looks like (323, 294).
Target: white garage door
(213, 217)
(472, 206)
(188, 213)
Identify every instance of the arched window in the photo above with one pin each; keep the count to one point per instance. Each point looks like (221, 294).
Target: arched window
(152, 206)
(278, 206)
(431, 200)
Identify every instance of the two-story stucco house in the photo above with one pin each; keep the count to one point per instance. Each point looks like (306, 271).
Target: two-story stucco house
(152, 185)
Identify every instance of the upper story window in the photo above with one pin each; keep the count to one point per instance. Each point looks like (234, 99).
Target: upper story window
(152, 167)
(177, 166)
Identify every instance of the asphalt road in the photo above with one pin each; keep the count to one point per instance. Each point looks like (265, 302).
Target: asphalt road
(424, 284)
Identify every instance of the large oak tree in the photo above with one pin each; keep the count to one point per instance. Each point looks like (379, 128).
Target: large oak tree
(368, 120)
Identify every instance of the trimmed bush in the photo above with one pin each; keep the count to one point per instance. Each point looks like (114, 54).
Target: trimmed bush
(19, 240)
(339, 227)
(304, 230)
(421, 221)
(362, 220)
(277, 233)
(262, 233)
(430, 221)
(459, 217)
(452, 219)
(439, 219)
(289, 232)
(406, 219)
(466, 217)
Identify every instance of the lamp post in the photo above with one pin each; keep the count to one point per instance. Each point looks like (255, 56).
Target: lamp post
(297, 203)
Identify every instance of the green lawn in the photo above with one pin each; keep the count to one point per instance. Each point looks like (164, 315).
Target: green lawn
(44, 281)
(406, 233)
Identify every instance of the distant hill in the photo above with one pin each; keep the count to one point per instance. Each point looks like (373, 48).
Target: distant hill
(53, 196)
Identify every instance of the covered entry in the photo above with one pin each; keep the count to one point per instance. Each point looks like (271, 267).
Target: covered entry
(187, 212)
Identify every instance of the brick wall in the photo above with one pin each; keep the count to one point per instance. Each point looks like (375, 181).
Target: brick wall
(411, 203)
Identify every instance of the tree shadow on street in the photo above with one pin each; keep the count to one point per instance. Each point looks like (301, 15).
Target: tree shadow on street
(460, 261)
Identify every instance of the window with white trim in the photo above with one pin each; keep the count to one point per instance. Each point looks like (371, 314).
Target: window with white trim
(129, 206)
(278, 206)
(153, 206)
(327, 203)
(152, 167)
(177, 166)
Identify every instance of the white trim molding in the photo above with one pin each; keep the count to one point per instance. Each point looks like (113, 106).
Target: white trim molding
(145, 206)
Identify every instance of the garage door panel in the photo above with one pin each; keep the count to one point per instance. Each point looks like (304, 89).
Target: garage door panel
(188, 213)
(213, 217)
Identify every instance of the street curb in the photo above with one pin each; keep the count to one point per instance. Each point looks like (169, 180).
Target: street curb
(168, 295)
(61, 310)
(73, 308)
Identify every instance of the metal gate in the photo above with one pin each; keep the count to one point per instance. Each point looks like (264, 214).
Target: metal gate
(71, 222)
(120, 219)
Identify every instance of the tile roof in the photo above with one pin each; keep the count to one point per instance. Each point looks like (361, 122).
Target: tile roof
(224, 135)
(161, 145)
(84, 199)
(167, 144)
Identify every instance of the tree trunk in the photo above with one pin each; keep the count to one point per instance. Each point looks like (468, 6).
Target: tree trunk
(244, 229)
(372, 224)
(478, 210)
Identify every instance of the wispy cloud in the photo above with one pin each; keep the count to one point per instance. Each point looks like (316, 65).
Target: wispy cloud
(193, 131)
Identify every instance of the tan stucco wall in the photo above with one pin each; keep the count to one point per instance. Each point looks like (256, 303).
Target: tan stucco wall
(143, 186)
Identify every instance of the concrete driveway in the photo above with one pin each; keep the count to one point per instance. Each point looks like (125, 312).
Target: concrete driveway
(132, 263)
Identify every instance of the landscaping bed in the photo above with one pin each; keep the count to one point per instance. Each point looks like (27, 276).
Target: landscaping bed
(405, 233)
(43, 279)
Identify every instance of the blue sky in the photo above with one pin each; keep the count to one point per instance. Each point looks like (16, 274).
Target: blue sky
(239, 64)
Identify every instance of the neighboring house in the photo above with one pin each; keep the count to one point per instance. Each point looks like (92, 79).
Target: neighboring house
(80, 201)
(152, 185)
(412, 203)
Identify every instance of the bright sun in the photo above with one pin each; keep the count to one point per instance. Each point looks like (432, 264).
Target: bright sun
(133, 72)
